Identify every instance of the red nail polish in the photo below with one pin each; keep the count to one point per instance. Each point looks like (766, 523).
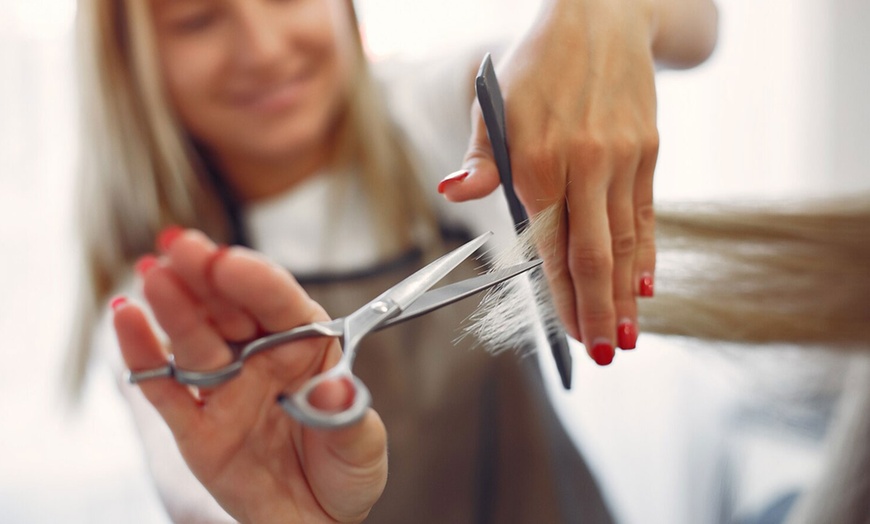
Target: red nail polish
(219, 253)
(457, 176)
(626, 335)
(602, 353)
(117, 302)
(646, 285)
(144, 264)
(166, 237)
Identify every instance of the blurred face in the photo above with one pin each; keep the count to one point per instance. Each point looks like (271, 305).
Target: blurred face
(256, 81)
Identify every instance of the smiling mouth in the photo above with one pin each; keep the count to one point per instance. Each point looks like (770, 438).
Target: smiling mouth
(275, 97)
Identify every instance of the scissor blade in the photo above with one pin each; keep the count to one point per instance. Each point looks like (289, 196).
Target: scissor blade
(412, 288)
(446, 295)
(429, 301)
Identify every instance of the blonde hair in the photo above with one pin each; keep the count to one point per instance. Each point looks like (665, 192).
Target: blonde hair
(140, 172)
(764, 272)
(793, 272)
(757, 273)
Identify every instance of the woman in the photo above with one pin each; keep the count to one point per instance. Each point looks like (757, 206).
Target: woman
(257, 122)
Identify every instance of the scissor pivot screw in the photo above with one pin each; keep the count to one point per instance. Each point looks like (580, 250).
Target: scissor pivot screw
(380, 306)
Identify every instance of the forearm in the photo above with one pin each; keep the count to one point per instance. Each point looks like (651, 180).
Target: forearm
(682, 33)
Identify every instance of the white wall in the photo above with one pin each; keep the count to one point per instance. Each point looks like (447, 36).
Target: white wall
(752, 121)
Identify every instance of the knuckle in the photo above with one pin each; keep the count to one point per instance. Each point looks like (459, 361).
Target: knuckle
(477, 150)
(646, 216)
(591, 148)
(598, 149)
(651, 143)
(624, 244)
(590, 262)
(543, 158)
(625, 148)
(544, 165)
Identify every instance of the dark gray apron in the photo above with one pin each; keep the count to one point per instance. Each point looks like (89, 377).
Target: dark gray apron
(472, 436)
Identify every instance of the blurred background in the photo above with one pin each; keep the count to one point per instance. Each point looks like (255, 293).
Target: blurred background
(778, 111)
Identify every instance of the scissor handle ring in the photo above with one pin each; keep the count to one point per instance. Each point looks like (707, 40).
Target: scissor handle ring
(208, 379)
(298, 406)
(188, 377)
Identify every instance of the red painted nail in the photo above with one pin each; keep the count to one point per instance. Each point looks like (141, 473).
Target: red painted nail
(166, 237)
(602, 353)
(219, 253)
(646, 285)
(626, 334)
(144, 264)
(457, 176)
(117, 302)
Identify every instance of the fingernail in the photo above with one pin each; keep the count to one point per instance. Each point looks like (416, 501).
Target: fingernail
(166, 237)
(144, 264)
(117, 302)
(646, 285)
(221, 250)
(602, 352)
(457, 176)
(626, 334)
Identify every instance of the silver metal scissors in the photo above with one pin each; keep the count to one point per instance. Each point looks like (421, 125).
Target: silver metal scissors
(408, 299)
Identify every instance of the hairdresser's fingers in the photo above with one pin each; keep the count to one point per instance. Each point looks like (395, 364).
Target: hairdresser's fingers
(590, 260)
(196, 344)
(141, 350)
(552, 246)
(347, 461)
(478, 176)
(645, 258)
(621, 217)
(265, 290)
(273, 298)
(191, 254)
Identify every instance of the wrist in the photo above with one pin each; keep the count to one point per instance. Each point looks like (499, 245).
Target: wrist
(639, 18)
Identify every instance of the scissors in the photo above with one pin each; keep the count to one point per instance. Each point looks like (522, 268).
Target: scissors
(492, 106)
(408, 299)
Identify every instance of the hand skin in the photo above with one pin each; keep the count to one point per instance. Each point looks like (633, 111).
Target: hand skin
(580, 101)
(257, 462)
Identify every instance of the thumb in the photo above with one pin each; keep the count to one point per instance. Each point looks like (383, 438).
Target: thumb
(479, 174)
(347, 467)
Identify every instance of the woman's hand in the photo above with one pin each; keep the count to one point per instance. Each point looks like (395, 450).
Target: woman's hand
(580, 101)
(258, 463)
